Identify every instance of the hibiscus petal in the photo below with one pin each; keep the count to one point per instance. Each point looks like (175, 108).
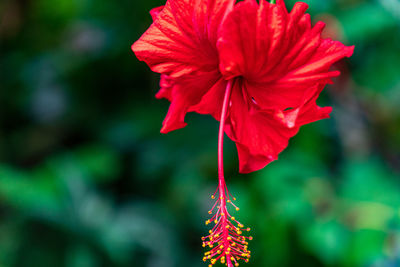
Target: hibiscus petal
(211, 102)
(182, 38)
(185, 93)
(181, 45)
(155, 12)
(278, 54)
(261, 134)
(166, 86)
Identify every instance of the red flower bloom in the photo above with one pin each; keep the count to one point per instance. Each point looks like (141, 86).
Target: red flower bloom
(256, 68)
(277, 61)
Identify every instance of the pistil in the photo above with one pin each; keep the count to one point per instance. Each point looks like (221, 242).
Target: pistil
(225, 239)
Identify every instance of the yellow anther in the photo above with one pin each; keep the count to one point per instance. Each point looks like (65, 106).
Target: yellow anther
(228, 249)
(232, 258)
(209, 212)
(212, 197)
(240, 225)
(248, 229)
(219, 251)
(222, 246)
(229, 238)
(250, 238)
(236, 264)
(227, 227)
(213, 261)
(222, 198)
(228, 201)
(246, 260)
(215, 221)
(234, 198)
(222, 214)
(232, 218)
(204, 259)
(210, 232)
(237, 209)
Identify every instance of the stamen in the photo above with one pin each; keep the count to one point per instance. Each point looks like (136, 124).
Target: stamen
(225, 240)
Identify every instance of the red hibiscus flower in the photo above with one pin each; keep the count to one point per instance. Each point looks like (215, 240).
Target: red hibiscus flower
(277, 61)
(255, 67)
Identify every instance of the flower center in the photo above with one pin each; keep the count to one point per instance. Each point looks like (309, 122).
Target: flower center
(225, 240)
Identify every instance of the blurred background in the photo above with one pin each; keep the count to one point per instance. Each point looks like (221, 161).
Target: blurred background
(87, 180)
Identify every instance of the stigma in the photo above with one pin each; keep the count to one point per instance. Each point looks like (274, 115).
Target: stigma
(228, 239)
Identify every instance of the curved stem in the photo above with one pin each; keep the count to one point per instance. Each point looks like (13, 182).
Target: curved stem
(221, 178)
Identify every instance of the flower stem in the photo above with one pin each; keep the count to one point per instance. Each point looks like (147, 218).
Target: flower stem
(272, 1)
(221, 178)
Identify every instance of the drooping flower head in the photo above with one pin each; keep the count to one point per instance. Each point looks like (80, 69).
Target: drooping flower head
(253, 66)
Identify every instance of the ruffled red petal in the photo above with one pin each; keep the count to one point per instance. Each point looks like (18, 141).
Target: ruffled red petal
(181, 45)
(279, 55)
(185, 93)
(261, 134)
(155, 12)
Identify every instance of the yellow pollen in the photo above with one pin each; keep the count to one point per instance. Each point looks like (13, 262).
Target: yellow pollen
(237, 209)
